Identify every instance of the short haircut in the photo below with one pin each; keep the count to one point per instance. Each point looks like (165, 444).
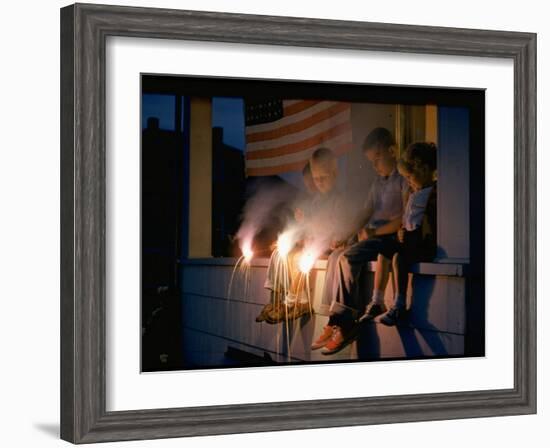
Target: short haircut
(379, 138)
(420, 153)
(323, 155)
(307, 169)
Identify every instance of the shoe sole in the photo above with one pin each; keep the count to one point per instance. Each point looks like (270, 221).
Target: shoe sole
(317, 347)
(402, 319)
(370, 317)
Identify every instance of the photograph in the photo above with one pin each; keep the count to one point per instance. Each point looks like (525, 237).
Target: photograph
(298, 222)
(284, 222)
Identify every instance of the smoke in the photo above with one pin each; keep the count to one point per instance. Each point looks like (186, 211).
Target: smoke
(332, 220)
(328, 219)
(268, 206)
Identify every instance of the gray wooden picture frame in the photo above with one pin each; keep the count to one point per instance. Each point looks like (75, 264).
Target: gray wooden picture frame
(84, 29)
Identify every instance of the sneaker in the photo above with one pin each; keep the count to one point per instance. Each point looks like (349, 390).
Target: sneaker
(339, 340)
(372, 310)
(322, 340)
(394, 315)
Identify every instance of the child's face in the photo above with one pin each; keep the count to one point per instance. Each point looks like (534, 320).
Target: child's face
(324, 176)
(382, 160)
(417, 178)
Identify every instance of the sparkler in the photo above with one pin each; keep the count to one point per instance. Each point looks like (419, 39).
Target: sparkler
(243, 265)
(247, 252)
(290, 274)
(307, 260)
(285, 243)
(299, 285)
(305, 264)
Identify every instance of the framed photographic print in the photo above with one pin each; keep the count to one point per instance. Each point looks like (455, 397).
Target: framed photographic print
(288, 206)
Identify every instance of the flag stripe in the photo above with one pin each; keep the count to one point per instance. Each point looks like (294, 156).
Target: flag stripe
(316, 140)
(333, 144)
(325, 125)
(285, 144)
(271, 170)
(299, 106)
(298, 126)
(294, 166)
(336, 145)
(305, 113)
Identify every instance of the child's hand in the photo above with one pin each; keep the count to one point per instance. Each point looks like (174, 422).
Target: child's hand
(336, 245)
(401, 235)
(365, 234)
(298, 214)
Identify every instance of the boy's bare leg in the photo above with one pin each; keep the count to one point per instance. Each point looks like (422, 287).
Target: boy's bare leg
(382, 273)
(401, 276)
(376, 305)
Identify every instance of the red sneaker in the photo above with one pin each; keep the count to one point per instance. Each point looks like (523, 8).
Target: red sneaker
(324, 338)
(339, 340)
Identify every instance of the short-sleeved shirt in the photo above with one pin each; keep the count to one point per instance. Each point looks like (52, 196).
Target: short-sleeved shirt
(330, 215)
(415, 208)
(386, 199)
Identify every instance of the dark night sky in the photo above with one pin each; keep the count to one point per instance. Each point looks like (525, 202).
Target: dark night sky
(226, 112)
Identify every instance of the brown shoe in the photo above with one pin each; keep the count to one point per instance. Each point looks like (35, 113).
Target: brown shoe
(298, 310)
(322, 340)
(340, 338)
(276, 314)
(264, 313)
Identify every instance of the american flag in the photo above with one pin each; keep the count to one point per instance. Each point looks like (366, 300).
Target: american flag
(282, 134)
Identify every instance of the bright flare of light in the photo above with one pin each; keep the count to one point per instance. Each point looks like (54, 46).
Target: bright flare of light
(284, 243)
(247, 252)
(306, 262)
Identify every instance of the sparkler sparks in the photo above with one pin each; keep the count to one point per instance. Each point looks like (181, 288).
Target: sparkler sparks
(289, 272)
(247, 252)
(243, 265)
(306, 262)
(284, 243)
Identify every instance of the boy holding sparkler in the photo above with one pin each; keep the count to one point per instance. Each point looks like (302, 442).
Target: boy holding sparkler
(381, 220)
(321, 229)
(283, 255)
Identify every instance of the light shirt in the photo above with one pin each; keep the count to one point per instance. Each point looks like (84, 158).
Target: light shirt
(415, 208)
(330, 216)
(386, 199)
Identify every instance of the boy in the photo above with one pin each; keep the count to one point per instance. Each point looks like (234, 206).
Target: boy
(416, 239)
(381, 220)
(327, 211)
(301, 210)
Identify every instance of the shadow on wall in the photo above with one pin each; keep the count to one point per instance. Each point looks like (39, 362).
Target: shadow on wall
(417, 323)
